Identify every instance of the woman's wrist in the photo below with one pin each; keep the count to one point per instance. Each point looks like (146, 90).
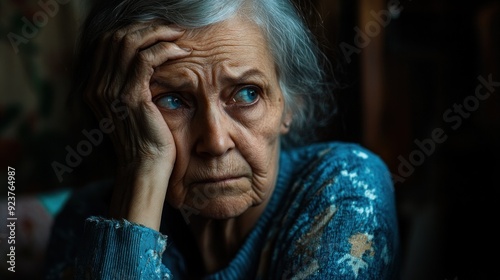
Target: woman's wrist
(140, 193)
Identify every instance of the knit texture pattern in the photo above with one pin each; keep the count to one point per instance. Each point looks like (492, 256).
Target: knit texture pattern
(332, 215)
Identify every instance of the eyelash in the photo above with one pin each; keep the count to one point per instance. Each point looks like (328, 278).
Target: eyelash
(185, 104)
(256, 89)
(158, 98)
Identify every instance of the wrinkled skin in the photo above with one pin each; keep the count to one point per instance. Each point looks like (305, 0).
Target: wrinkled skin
(205, 115)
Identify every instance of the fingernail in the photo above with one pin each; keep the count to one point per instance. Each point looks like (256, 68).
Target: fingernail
(178, 28)
(186, 49)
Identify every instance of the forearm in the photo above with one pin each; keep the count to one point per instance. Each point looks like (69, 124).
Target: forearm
(139, 193)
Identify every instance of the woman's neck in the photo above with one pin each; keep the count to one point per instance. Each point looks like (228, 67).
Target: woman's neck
(218, 241)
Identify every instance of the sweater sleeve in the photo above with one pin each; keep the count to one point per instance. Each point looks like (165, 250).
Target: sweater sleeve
(113, 249)
(342, 223)
(83, 245)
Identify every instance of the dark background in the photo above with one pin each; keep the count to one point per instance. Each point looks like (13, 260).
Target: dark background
(394, 90)
(403, 84)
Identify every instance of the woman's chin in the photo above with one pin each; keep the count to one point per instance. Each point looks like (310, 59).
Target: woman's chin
(220, 201)
(219, 208)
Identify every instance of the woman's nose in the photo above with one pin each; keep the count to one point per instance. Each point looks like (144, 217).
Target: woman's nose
(213, 133)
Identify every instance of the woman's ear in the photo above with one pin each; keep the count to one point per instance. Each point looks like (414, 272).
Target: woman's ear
(286, 122)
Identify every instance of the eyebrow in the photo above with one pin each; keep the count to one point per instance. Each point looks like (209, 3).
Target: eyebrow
(184, 84)
(243, 77)
(168, 83)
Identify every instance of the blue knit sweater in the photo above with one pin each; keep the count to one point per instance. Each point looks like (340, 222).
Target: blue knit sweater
(331, 216)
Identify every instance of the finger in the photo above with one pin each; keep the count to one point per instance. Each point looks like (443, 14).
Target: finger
(146, 61)
(144, 38)
(108, 51)
(110, 43)
(112, 64)
(161, 53)
(128, 42)
(158, 32)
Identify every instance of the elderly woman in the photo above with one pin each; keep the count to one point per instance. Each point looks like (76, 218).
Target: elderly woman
(208, 104)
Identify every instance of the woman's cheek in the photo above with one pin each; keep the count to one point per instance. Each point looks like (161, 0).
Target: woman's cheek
(250, 116)
(176, 119)
(177, 191)
(179, 127)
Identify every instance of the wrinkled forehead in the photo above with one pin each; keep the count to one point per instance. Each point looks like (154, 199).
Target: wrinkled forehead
(235, 31)
(233, 45)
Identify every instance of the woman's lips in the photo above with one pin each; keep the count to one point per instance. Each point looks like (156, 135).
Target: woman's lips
(217, 180)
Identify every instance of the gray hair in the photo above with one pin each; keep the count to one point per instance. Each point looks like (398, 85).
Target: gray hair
(303, 70)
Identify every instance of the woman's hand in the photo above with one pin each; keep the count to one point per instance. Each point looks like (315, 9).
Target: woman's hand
(124, 64)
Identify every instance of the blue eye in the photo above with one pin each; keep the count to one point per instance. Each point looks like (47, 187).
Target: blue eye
(246, 95)
(170, 102)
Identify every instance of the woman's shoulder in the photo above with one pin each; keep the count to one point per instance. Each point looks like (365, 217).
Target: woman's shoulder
(339, 173)
(340, 199)
(337, 158)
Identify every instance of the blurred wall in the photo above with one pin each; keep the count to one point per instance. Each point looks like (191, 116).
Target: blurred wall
(37, 123)
(422, 91)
